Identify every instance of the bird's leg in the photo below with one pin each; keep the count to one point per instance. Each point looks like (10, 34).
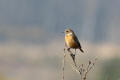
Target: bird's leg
(68, 49)
(72, 55)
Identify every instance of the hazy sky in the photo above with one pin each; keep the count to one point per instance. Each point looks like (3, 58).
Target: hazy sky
(93, 20)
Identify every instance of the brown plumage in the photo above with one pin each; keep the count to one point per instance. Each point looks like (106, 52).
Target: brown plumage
(71, 41)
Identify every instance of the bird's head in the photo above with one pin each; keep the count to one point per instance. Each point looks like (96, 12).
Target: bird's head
(69, 32)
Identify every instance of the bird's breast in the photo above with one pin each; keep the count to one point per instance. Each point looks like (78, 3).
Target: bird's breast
(70, 42)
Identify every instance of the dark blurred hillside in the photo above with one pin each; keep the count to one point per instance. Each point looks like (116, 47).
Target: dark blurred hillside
(93, 20)
(111, 69)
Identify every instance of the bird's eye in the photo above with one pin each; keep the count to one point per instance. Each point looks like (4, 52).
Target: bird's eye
(67, 31)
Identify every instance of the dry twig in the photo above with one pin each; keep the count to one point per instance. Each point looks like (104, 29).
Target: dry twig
(63, 67)
(83, 70)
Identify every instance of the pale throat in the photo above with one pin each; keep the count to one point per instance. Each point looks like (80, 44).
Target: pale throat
(70, 33)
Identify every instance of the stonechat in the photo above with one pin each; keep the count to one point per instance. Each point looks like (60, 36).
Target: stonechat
(71, 41)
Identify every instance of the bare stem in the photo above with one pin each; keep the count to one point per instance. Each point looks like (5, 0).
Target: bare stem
(82, 69)
(63, 68)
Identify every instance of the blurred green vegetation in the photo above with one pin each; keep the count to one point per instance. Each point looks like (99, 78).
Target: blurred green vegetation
(111, 70)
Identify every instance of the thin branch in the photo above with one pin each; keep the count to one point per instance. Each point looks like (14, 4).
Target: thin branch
(89, 67)
(63, 67)
(83, 70)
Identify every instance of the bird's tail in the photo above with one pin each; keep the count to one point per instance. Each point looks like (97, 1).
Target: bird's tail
(81, 50)
(73, 57)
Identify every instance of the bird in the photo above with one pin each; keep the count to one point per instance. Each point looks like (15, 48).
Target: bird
(71, 41)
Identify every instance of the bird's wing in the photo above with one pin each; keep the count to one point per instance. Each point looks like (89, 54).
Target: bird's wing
(77, 41)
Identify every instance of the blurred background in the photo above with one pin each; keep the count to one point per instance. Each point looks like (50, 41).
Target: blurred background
(31, 42)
